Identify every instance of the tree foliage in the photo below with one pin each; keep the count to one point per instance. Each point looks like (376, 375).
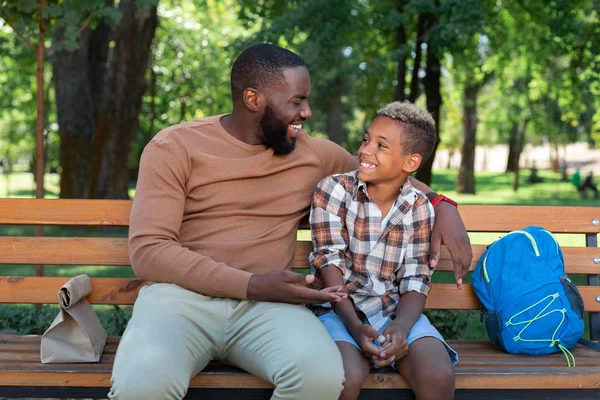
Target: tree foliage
(532, 66)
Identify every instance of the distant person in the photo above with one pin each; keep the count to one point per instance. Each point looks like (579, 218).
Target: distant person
(371, 231)
(588, 183)
(576, 179)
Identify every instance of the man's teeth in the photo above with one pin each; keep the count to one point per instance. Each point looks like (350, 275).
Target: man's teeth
(296, 126)
(367, 165)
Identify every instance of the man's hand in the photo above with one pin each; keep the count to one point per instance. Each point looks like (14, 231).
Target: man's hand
(289, 287)
(394, 349)
(365, 334)
(450, 230)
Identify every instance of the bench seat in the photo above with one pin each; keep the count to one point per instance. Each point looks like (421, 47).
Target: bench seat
(482, 372)
(481, 366)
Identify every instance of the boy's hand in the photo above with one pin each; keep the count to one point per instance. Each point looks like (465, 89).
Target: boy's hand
(365, 334)
(289, 287)
(337, 291)
(449, 229)
(394, 349)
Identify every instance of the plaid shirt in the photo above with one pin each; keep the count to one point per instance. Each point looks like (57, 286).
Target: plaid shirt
(377, 266)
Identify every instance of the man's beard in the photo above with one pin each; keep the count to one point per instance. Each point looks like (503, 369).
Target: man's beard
(275, 133)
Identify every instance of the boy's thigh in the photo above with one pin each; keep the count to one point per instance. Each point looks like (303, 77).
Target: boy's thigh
(265, 338)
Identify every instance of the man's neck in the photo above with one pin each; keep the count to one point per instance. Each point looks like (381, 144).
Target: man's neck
(241, 128)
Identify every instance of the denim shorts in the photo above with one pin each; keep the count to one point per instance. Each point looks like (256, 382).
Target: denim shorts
(422, 328)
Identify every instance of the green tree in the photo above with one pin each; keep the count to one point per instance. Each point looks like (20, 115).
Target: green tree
(99, 86)
(31, 19)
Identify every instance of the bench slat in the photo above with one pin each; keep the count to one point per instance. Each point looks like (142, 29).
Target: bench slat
(37, 290)
(477, 218)
(486, 218)
(63, 251)
(509, 378)
(578, 260)
(113, 251)
(506, 371)
(65, 212)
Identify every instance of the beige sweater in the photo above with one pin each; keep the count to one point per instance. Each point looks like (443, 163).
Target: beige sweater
(210, 210)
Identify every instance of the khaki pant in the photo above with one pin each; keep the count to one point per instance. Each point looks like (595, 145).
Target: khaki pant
(174, 333)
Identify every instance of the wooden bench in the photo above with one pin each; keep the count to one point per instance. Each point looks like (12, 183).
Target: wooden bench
(482, 371)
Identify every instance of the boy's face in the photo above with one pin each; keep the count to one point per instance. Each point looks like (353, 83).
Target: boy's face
(382, 156)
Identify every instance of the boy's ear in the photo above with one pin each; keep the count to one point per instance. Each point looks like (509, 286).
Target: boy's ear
(412, 163)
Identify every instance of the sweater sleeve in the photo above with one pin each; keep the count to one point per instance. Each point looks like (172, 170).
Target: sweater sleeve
(334, 158)
(156, 217)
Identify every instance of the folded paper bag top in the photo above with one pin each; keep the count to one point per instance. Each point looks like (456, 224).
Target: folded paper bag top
(73, 291)
(76, 334)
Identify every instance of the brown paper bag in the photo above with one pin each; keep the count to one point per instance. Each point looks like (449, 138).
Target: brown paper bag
(75, 334)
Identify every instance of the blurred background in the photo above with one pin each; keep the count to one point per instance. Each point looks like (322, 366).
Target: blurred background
(513, 85)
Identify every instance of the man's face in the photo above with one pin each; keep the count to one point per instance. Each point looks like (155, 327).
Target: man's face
(286, 110)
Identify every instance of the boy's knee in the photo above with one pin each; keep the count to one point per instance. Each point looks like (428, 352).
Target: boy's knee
(438, 383)
(354, 380)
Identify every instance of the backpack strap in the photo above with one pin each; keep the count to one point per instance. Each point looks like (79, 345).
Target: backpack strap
(589, 343)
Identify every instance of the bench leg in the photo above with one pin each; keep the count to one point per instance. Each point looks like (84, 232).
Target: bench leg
(591, 240)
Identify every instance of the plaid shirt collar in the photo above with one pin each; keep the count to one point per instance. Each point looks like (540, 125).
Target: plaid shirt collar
(405, 195)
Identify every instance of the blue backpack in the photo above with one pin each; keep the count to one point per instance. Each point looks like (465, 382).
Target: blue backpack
(530, 306)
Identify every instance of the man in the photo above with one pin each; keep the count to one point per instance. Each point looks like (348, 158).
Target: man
(214, 222)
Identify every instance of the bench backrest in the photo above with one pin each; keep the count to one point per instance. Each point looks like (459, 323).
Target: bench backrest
(111, 251)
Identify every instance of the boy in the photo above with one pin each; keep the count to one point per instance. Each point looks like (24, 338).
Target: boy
(371, 233)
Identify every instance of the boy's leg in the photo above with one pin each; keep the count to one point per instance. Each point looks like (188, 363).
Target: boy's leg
(286, 345)
(169, 339)
(356, 370)
(428, 370)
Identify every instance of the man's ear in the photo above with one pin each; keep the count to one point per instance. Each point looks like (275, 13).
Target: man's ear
(253, 99)
(413, 163)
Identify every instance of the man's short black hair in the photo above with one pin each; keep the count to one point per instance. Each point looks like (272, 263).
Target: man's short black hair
(260, 66)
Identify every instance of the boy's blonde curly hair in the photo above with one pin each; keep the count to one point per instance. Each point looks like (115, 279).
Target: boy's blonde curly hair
(419, 133)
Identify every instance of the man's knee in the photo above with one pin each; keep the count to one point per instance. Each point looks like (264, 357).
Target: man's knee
(311, 380)
(141, 379)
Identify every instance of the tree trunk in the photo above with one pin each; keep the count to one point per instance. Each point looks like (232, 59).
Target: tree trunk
(414, 82)
(431, 82)
(40, 122)
(516, 142)
(513, 149)
(466, 173)
(335, 128)
(118, 119)
(78, 82)
(519, 128)
(399, 94)
(39, 128)
(99, 100)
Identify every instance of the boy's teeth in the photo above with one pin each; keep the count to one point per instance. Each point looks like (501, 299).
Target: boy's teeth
(367, 165)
